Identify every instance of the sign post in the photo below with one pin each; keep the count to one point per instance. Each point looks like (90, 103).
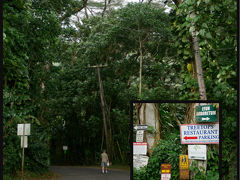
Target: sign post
(24, 141)
(165, 171)
(183, 167)
(23, 131)
(140, 127)
(139, 136)
(25, 127)
(140, 148)
(65, 148)
(206, 113)
(140, 161)
(206, 132)
(23, 151)
(199, 133)
(197, 152)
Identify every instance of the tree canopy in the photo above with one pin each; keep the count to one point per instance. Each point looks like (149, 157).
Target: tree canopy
(48, 83)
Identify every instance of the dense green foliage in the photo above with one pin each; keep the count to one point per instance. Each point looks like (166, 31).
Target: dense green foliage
(167, 151)
(47, 81)
(216, 28)
(19, 23)
(73, 82)
(30, 34)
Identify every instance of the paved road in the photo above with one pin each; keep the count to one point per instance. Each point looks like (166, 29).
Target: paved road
(88, 173)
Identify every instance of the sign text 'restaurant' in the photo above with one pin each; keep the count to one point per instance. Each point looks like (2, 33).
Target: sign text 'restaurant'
(199, 133)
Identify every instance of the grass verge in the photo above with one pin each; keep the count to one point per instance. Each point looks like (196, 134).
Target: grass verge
(32, 176)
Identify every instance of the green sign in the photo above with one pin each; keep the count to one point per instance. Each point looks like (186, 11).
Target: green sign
(206, 113)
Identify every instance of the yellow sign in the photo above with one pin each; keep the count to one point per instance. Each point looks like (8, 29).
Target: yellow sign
(165, 168)
(183, 162)
(165, 171)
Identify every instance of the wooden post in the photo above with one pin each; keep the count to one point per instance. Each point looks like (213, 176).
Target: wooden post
(23, 152)
(102, 104)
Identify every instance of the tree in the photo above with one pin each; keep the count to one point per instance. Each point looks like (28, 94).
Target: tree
(210, 30)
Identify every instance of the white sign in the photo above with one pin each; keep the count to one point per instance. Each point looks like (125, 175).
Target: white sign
(26, 131)
(165, 176)
(140, 161)
(140, 148)
(199, 133)
(25, 141)
(141, 127)
(197, 152)
(139, 136)
(65, 148)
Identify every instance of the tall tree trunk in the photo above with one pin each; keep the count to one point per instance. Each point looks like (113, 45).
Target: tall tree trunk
(5, 81)
(149, 115)
(200, 78)
(102, 138)
(110, 129)
(198, 62)
(140, 69)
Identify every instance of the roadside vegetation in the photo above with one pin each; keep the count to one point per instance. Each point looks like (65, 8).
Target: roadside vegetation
(47, 80)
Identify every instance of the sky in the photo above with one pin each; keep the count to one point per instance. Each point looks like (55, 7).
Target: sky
(94, 10)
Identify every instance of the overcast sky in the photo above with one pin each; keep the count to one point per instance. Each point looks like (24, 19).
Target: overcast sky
(93, 10)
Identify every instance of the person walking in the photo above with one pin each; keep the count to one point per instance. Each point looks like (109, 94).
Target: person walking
(104, 162)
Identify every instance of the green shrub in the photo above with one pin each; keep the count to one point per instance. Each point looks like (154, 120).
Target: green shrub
(140, 174)
(166, 151)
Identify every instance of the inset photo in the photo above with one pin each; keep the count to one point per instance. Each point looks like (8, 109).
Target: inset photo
(176, 140)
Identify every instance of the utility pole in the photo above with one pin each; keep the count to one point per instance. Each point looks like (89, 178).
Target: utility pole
(102, 102)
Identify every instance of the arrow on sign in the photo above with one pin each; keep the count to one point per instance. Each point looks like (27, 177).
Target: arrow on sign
(190, 137)
(207, 118)
(140, 127)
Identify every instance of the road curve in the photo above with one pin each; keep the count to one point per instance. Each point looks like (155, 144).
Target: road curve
(88, 173)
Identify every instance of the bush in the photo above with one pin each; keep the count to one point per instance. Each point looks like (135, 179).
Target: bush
(166, 151)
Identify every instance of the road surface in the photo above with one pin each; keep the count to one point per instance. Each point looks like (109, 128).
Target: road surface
(88, 173)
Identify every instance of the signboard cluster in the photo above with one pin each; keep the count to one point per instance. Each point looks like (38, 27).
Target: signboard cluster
(140, 148)
(204, 133)
(197, 136)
